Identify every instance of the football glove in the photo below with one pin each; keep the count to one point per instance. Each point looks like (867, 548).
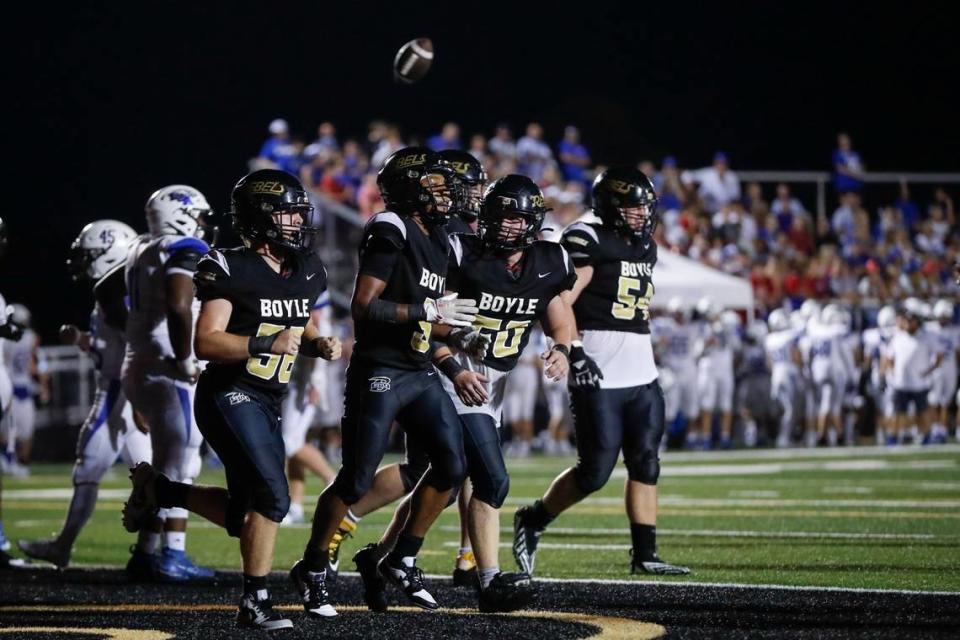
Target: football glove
(584, 372)
(451, 310)
(471, 342)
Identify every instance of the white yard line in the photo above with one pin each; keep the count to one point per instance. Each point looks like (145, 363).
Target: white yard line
(728, 533)
(793, 454)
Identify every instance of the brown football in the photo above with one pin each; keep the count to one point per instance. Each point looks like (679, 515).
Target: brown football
(413, 61)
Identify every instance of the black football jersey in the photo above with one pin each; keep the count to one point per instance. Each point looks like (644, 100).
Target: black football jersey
(264, 303)
(420, 272)
(509, 303)
(618, 296)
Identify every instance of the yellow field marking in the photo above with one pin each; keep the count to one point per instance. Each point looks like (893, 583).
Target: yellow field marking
(110, 634)
(608, 627)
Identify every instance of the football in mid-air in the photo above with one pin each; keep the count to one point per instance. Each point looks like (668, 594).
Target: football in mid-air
(413, 61)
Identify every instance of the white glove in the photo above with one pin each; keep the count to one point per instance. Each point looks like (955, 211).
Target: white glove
(451, 310)
(471, 342)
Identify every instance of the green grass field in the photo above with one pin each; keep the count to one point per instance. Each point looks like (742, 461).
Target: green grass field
(868, 518)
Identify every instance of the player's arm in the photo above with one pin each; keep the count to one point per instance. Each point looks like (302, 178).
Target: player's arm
(316, 346)
(214, 343)
(468, 384)
(179, 312)
(109, 293)
(558, 324)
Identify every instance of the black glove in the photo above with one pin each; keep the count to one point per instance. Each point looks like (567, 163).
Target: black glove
(584, 372)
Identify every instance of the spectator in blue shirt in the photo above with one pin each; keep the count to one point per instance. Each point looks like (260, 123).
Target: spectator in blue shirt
(533, 154)
(272, 149)
(448, 138)
(847, 167)
(909, 211)
(785, 207)
(574, 158)
(326, 142)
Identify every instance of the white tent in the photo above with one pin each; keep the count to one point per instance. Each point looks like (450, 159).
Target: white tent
(676, 275)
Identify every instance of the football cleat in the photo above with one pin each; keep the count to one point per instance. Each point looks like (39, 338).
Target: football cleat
(258, 613)
(142, 566)
(409, 579)
(47, 550)
(175, 566)
(142, 503)
(466, 577)
(312, 587)
(344, 531)
(7, 561)
(507, 592)
(525, 541)
(374, 590)
(656, 566)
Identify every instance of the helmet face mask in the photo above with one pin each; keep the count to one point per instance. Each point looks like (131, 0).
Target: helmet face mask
(273, 207)
(511, 214)
(178, 210)
(99, 248)
(418, 181)
(473, 177)
(625, 199)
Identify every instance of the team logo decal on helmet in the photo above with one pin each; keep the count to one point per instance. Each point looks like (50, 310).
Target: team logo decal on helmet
(272, 206)
(511, 213)
(418, 180)
(624, 198)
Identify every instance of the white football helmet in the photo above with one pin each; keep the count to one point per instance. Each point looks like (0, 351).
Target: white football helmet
(731, 320)
(810, 309)
(707, 308)
(886, 317)
(797, 320)
(100, 247)
(176, 210)
(19, 315)
(926, 310)
(832, 315)
(943, 310)
(676, 306)
(778, 320)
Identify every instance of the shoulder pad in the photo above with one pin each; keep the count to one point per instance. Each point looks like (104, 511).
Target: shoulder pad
(185, 244)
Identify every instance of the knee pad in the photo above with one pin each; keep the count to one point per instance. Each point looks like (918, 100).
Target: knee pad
(177, 513)
(272, 502)
(643, 466)
(492, 491)
(591, 478)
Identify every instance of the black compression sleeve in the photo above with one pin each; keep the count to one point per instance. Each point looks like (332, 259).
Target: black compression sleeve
(385, 311)
(450, 367)
(378, 260)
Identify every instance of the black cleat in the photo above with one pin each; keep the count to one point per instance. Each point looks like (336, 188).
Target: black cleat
(410, 580)
(142, 566)
(657, 567)
(374, 589)
(141, 506)
(312, 588)
(466, 578)
(525, 540)
(46, 550)
(259, 614)
(507, 592)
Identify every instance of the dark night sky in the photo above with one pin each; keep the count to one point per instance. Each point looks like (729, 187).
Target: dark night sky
(112, 103)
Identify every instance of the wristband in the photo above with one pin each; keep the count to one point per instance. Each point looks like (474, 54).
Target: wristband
(562, 348)
(450, 367)
(576, 344)
(261, 344)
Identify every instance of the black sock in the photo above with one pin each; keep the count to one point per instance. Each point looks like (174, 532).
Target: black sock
(407, 546)
(644, 542)
(171, 494)
(315, 560)
(538, 517)
(255, 586)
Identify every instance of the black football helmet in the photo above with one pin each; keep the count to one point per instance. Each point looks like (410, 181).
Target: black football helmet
(620, 188)
(474, 178)
(257, 203)
(509, 197)
(408, 185)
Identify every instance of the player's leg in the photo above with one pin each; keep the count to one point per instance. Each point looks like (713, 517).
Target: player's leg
(725, 393)
(644, 424)
(465, 566)
(597, 421)
(431, 418)
(23, 412)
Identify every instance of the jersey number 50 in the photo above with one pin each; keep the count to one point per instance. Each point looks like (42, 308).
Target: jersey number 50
(506, 339)
(265, 366)
(627, 304)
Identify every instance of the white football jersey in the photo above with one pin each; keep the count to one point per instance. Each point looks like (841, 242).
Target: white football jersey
(827, 353)
(18, 357)
(912, 356)
(680, 349)
(107, 347)
(149, 262)
(717, 344)
(779, 347)
(948, 338)
(876, 343)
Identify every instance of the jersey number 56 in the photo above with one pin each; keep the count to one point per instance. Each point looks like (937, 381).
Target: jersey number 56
(265, 366)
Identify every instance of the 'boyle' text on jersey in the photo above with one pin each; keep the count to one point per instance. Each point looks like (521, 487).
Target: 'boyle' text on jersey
(414, 265)
(509, 302)
(618, 295)
(264, 303)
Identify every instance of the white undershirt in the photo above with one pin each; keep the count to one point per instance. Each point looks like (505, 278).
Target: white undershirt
(624, 357)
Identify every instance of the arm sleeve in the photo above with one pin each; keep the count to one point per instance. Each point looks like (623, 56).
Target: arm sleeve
(212, 278)
(581, 245)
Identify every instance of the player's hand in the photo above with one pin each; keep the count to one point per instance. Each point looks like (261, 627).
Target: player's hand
(186, 370)
(584, 372)
(329, 347)
(70, 334)
(555, 364)
(451, 310)
(140, 422)
(313, 396)
(470, 388)
(471, 342)
(287, 343)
